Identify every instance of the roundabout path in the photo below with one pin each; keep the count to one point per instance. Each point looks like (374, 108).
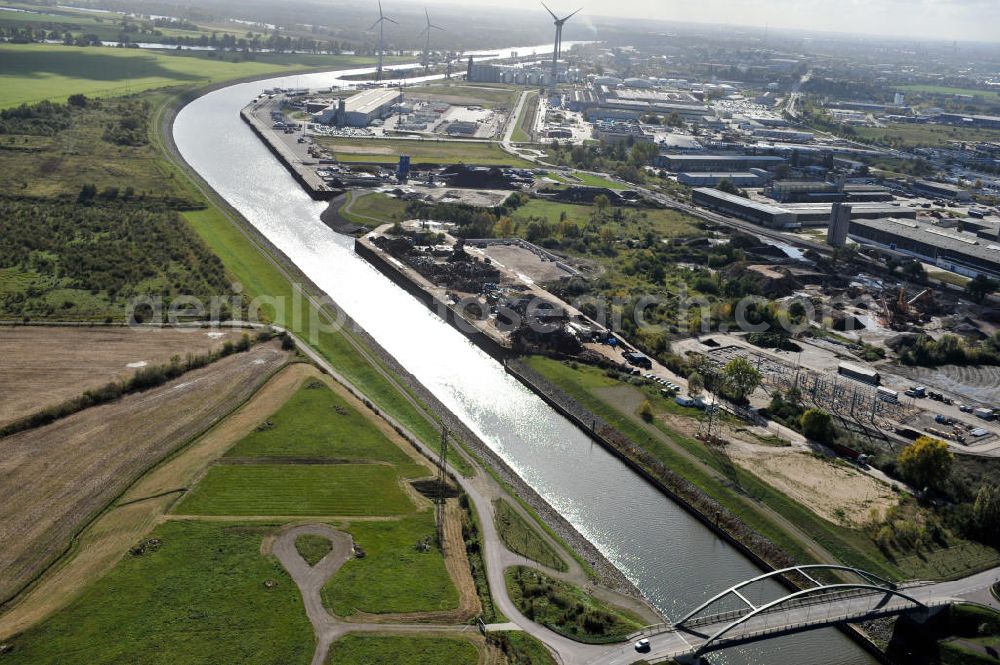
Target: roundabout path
(310, 581)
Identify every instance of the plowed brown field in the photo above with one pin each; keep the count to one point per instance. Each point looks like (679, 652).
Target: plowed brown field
(55, 479)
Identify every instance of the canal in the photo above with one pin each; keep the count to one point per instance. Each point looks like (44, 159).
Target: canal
(665, 552)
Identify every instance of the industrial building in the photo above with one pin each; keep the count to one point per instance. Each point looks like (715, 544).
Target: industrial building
(821, 191)
(790, 216)
(940, 189)
(361, 109)
(788, 135)
(984, 121)
(621, 132)
(518, 73)
(693, 163)
(730, 204)
(963, 253)
(620, 109)
(755, 178)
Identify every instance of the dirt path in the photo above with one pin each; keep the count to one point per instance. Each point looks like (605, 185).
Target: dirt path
(142, 506)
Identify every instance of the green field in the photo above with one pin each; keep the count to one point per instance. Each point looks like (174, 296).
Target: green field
(597, 181)
(318, 424)
(35, 163)
(107, 26)
(312, 548)
(373, 210)
(290, 489)
(394, 575)
(567, 609)
(33, 72)
(387, 151)
(911, 136)
(664, 223)
(522, 538)
(199, 597)
(401, 650)
(481, 94)
(945, 90)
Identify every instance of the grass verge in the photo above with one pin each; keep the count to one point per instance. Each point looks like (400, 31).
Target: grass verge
(521, 649)
(567, 609)
(521, 538)
(401, 650)
(526, 120)
(474, 552)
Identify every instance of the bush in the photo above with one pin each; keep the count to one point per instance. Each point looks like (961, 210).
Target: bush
(646, 411)
(817, 425)
(926, 463)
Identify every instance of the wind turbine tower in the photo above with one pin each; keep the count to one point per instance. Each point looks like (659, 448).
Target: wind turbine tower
(382, 18)
(557, 47)
(427, 44)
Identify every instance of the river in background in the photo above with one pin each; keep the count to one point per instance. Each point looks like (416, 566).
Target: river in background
(665, 552)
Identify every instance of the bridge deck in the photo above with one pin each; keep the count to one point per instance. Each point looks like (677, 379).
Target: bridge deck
(671, 642)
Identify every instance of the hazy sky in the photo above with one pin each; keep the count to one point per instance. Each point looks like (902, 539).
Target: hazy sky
(945, 19)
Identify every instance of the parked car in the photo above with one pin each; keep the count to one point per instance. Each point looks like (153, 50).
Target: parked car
(642, 646)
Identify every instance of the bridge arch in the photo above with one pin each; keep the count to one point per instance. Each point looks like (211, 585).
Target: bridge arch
(712, 642)
(873, 582)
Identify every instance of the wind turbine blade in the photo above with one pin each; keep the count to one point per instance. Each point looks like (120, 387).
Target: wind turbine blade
(380, 8)
(427, 15)
(550, 11)
(573, 14)
(375, 24)
(386, 18)
(438, 27)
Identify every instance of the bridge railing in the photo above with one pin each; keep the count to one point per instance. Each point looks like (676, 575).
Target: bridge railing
(751, 636)
(709, 619)
(843, 617)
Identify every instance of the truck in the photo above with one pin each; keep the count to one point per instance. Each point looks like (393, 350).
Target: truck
(637, 359)
(985, 414)
(887, 395)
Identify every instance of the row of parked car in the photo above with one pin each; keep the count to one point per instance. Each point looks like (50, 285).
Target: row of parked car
(667, 385)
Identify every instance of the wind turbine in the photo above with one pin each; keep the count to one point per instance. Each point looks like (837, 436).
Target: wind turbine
(557, 47)
(382, 18)
(427, 45)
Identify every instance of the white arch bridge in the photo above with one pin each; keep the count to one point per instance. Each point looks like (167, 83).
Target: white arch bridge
(738, 615)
